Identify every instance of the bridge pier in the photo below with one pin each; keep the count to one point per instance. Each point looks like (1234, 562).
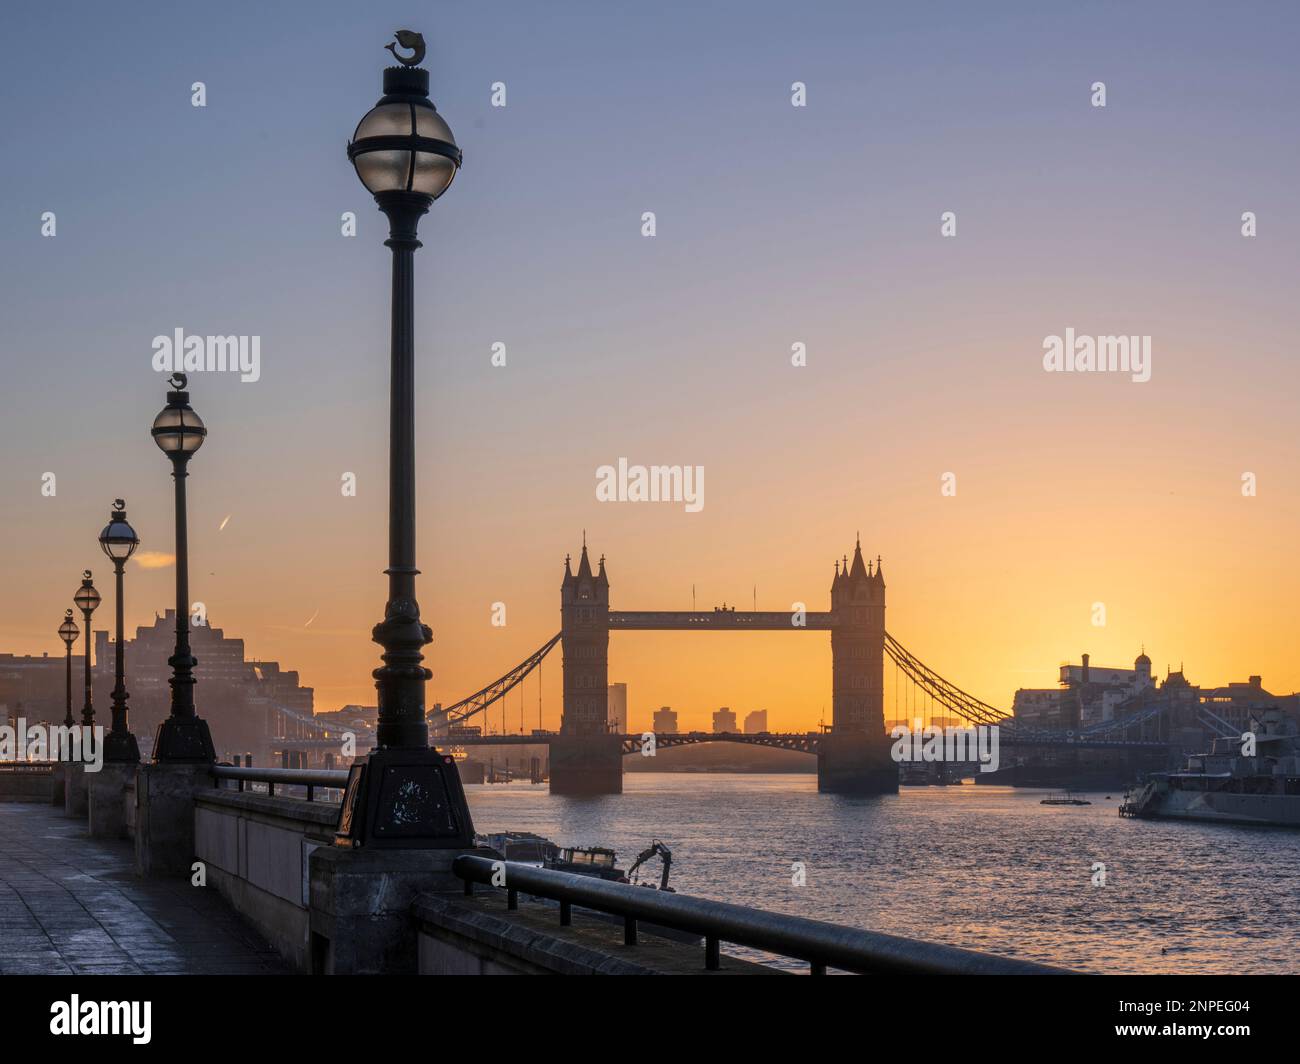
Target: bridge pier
(586, 764)
(849, 763)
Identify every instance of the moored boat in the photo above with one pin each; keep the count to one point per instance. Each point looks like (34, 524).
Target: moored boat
(1254, 779)
(1065, 798)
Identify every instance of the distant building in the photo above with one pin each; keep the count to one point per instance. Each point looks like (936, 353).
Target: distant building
(724, 720)
(237, 697)
(756, 722)
(1173, 711)
(617, 708)
(1088, 694)
(355, 717)
(36, 687)
(1234, 706)
(665, 721)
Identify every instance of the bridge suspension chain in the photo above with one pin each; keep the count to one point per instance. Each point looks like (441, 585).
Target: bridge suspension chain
(500, 687)
(948, 695)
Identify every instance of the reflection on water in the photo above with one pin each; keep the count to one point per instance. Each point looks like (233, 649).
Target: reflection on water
(987, 868)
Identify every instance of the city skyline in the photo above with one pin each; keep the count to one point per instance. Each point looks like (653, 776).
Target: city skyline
(924, 352)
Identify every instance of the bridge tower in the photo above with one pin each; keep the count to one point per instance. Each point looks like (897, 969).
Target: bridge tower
(586, 758)
(854, 756)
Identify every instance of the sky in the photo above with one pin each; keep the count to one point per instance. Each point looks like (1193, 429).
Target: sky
(775, 225)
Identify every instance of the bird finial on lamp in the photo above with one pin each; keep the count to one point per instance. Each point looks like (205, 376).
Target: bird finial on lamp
(408, 39)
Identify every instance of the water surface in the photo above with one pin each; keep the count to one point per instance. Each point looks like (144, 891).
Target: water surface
(988, 868)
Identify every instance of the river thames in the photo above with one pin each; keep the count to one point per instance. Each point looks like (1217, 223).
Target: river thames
(987, 868)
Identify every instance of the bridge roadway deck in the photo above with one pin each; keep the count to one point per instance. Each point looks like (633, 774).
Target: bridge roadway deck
(70, 904)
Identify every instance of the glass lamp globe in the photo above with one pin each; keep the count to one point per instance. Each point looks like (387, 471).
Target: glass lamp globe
(178, 430)
(86, 598)
(118, 540)
(403, 144)
(68, 630)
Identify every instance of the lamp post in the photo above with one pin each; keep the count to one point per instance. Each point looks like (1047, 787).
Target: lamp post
(87, 599)
(119, 541)
(406, 794)
(68, 632)
(183, 736)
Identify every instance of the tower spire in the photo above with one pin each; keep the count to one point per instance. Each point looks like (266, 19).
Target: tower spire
(859, 569)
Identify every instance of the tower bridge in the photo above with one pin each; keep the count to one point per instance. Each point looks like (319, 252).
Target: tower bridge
(853, 756)
(853, 752)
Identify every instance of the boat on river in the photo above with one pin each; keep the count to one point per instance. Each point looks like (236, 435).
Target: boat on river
(1254, 779)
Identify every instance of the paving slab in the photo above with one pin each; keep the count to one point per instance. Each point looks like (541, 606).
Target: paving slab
(73, 904)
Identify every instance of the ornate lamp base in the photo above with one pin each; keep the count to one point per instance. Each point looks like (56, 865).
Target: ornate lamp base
(121, 748)
(405, 800)
(184, 739)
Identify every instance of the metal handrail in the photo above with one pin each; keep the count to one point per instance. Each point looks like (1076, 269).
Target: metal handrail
(35, 768)
(311, 778)
(823, 945)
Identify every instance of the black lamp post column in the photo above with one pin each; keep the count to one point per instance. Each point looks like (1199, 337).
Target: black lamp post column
(119, 542)
(182, 660)
(405, 795)
(68, 633)
(75, 795)
(401, 679)
(183, 736)
(87, 600)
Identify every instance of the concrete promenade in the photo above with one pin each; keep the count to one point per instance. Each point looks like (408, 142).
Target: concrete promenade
(70, 904)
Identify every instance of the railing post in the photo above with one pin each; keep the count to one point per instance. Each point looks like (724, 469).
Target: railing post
(629, 930)
(512, 899)
(310, 791)
(816, 968)
(712, 954)
(469, 888)
(566, 914)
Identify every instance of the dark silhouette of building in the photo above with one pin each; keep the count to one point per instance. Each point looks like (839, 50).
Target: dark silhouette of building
(240, 699)
(665, 721)
(35, 686)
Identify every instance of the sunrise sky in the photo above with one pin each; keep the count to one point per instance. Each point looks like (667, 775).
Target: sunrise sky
(775, 225)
